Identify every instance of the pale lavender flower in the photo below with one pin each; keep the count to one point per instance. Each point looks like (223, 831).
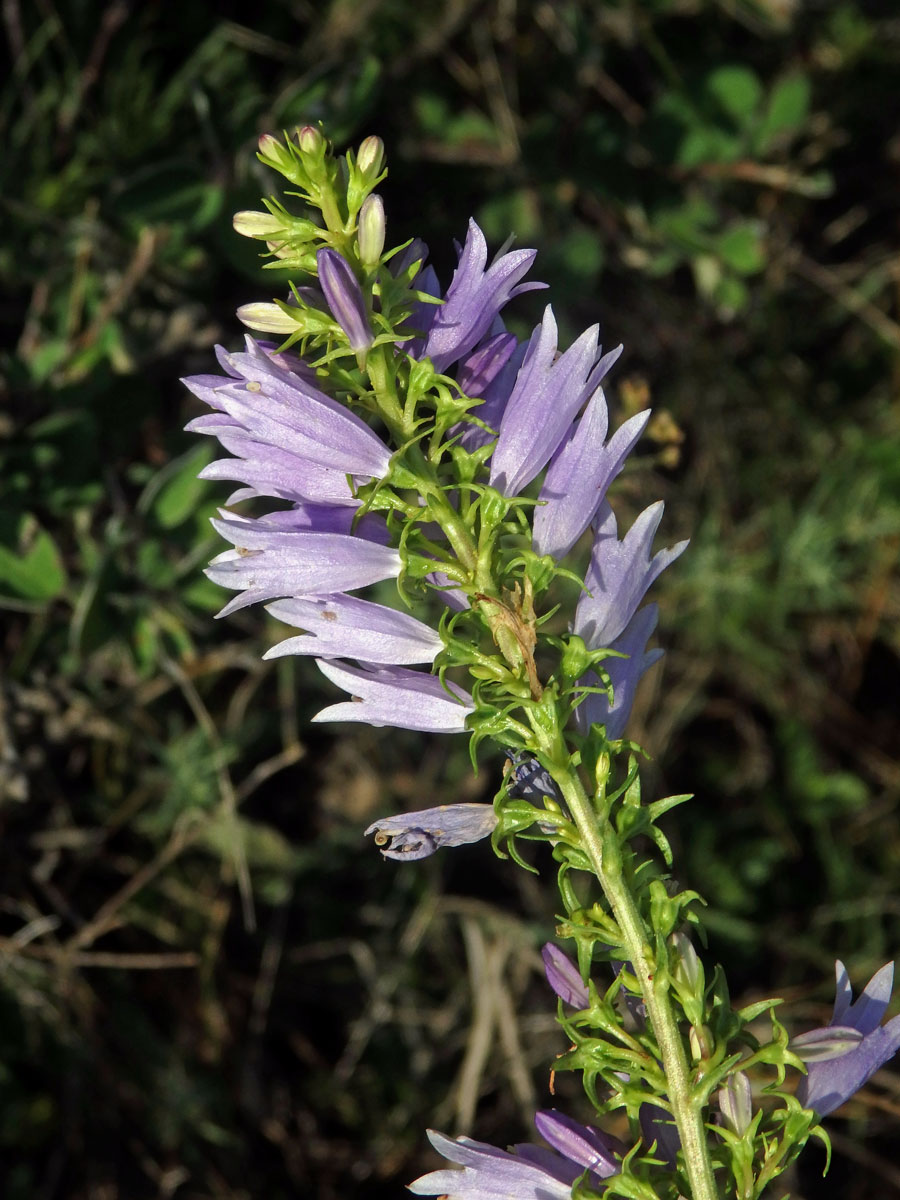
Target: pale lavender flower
(282, 408)
(547, 395)
(345, 298)
(564, 977)
(474, 299)
(624, 673)
(299, 552)
(619, 575)
(830, 1083)
(577, 480)
(347, 627)
(581, 1144)
(267, 470)
(411, 836)
(395, 696)
(526, 1172)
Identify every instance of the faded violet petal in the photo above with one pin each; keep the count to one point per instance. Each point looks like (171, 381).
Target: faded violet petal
(474, 299)
(530, 781)
(411, 836)
(492, 1174)
(345, 298)
(830, 1083)
(578, 478)
(625, 674)
(619, 575)
(347, 627)
(545, 399)
(405, 699)
(581, 1144)
(564, 977)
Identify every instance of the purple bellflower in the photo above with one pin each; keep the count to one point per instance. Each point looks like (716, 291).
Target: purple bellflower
(624, 674)
(619, 575)
(345, 298)
(547, 395)
(869, 1044)
(347, 627)
(473, 300)
(406, 699)
(281, 408)
(582, 470)
(410, 836)
(526, 1172)
(298, 552)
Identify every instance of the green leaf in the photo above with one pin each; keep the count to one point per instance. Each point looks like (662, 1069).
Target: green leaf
(38, 574)
(177, 492)
(741, 248)
(786, 111)
(737, 91)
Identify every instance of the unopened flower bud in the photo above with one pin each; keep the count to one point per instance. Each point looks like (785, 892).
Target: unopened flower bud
(268, 318)
(371, 231)
(370, 158)
(686, 968)
(310, 139)
(257, 224)
(736, 1102)
(345, 299)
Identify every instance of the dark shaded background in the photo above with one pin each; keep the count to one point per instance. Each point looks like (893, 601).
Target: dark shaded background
(209, 986)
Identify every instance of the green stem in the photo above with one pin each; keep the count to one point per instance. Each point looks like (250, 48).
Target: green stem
(687, 1112)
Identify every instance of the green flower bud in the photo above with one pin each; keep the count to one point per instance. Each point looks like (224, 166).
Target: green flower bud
(370, 159)
(260, 225)
(267, 318)
(371, 231)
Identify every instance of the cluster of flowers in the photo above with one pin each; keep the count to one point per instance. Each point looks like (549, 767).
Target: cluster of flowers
(292, 442)
(541, 410)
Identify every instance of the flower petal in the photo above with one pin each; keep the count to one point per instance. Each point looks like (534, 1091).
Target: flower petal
(411, 836)
(474, 299)
(564, 977)
(347, 627)
(406, 699)
(545, 399)
(619, 575)
(578, 478)
(625, 674)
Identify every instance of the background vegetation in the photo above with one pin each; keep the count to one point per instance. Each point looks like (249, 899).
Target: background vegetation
(209, 985)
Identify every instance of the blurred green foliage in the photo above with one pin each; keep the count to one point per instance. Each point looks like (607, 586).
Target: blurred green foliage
(210, 987)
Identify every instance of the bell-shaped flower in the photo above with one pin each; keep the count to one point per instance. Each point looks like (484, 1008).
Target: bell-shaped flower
(395, 696)
(547, 395)
(282, 408)
(829, 1083)
(344, 297)
(577, 480)
(619, 575)
(475, 297)
(411, 836)
(624, 673)
(348, 627)
(306, 551)
(526, 1172)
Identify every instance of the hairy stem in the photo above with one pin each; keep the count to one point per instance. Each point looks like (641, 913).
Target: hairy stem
(687, 1112)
